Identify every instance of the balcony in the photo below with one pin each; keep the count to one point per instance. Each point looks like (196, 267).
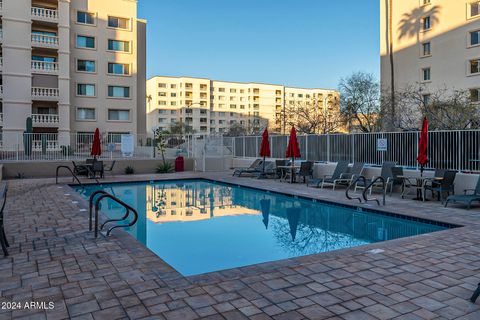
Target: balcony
(45, 120)
(45, 67)
(44, 14)
(1, 91)
(44, 41)
(1, 63)
(1, 117)
(1, 35)
(45, 94)
(51, 145)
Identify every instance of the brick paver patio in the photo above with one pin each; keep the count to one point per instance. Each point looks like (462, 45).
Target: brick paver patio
(55, 259)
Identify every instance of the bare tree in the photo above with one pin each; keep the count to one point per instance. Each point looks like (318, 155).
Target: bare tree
(314, 116)
(445, 109)
(360, 101)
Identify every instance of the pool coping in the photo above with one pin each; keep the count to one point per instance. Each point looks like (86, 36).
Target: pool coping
(259, 268)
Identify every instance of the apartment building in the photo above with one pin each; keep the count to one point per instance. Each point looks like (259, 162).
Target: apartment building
(72, 66)
(212, 106)
(435, 45)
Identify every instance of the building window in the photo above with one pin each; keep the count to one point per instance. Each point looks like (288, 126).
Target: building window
(221, 89)
(118, 115)
(86, 65)
(426, 99)
(119, 68)
(116, 137)
(426, 74)
(173, 103)
(475, 38)
(427, 23)
(233, 106)
(475, 66)
(117, 45)
(162, 103)
(85, 42)
(162, 85)
(427, 49)
(86, 90)
(119, 23)
(85, 18)
(474, 9)
(475, 95)
(173, 86)
(173, 94)
(162, 94)
(425, 2)
(118, 92)
(87, 114)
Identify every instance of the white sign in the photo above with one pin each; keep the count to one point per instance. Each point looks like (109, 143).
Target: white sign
(127, 145)
(382, 144)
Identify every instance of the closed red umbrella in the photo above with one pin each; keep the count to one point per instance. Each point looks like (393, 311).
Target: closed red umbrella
(265, 147)
(96, 147)
(422, 157)
(293, 151)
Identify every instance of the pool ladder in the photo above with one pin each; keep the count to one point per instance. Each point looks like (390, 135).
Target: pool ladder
(365, 190)
(74, 176)
(95, 203)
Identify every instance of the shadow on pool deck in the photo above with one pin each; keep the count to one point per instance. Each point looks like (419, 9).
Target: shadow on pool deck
(55, 258)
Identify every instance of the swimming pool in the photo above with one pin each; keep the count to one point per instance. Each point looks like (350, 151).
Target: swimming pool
(200, 226)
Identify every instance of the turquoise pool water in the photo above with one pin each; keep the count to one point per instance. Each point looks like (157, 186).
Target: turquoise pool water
(198, 226)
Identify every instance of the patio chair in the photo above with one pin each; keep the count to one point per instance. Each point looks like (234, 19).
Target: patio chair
(97, 168)
(268, 171)
(386, 174)
(447, 184)
(81, 170)
(255, 167)
(466, 198)
(279, 171)
(348, 177)
(397, 178)
(110, 169)
(340, 170)
(3, 237)
(306, 170)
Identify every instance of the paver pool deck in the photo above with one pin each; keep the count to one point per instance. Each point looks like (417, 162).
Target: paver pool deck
(53, 258)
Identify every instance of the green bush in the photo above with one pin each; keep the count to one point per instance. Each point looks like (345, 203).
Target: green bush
(129, 170)
(164, 167)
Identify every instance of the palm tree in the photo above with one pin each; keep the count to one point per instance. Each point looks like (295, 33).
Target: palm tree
(392, 65)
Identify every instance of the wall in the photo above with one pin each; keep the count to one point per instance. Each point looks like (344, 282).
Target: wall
(47, 169)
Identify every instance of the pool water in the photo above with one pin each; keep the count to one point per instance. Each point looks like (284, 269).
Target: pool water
(198, 226)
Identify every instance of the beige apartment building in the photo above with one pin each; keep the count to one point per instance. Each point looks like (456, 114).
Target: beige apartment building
(211, 106)
(72, 66)
(435, 45)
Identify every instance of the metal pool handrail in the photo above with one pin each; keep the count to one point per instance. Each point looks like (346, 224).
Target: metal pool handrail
(365, 190)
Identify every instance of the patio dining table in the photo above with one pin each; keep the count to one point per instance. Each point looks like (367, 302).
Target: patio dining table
(420, 184)
(286, 169)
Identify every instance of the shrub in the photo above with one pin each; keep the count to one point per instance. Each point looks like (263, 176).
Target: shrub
(164, 167)
(129, 170)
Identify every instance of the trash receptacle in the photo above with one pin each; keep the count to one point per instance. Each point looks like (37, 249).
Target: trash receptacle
(179, 164)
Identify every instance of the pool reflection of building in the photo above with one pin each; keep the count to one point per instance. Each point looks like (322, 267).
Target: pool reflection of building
(188, 202)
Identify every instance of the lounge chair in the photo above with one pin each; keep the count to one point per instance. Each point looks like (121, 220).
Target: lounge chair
(112, 165)
(348, 177)
(466, 198)
(340, 170)
(268, 171)
(254, 166)
(3, 237)
(80, 169)
(306, 170)
(386, 174)
(447, 184)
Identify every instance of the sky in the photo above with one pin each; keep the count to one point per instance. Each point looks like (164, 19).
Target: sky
(301, 43)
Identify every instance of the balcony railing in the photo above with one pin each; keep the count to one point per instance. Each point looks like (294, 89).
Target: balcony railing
(45, 119)
(44, 14)
(44, 67)
(1, 91)
(51, 145)
(45, 93)
(43, 40)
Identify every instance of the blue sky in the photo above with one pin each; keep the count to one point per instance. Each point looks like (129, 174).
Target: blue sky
(304, 43)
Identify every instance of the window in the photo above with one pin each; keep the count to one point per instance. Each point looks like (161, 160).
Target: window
(85, 17)
(161, 111)
(162, 103)
(117, 45)
(425, 2)
(173, 86)
(173, 112)
(221, 105)
(119, 68)
(173, 103)
(475, 66)
(173, 94)
(86, 65)
(162, 85)
(118, 115)
(85, 42)
(426, 99)
(474, 9)
(116, 137)
(427, 23)
(233, 106)
(233, 90)
(221, 98)
(44, 59)
(119, 23)
(426, 74)
(162, 94)
(475, 38)
(118, 92)
(221, 89)
(427, 49)
(475, 95)
(85, 114)
(86, 90)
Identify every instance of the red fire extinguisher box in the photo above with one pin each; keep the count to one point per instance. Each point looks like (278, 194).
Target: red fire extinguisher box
(179, 164)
